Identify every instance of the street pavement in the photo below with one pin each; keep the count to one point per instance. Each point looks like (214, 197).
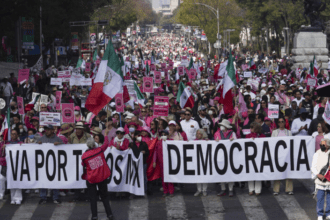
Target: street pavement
(300, 206)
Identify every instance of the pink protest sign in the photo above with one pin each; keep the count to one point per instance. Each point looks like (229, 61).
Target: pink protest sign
(88, 67)
(148, 84)
(161, 106)
(67, 113)
(184, 57)
(119, 102)
(170, 65)
(158, 77)
(192, 74)
(149, 62)
(180, 69)
(23, 74)
(20, 105)
(152, 67)
(58, 100)
(163, 65)
(64, 74)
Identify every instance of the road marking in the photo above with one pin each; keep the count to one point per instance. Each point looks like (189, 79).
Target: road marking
(138, 209)
(26, 209)
(176, 207)
(213, 206)
(251, 205)
(63, 211)
(291, 207)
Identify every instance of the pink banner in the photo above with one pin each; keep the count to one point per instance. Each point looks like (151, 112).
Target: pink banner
(20, 105)
(161, 106)
(158, 77)
(64, 74)
(58, 100)
(119, 102)
(88, 67)
(152, 67)
(148, 84)
(192, 74)
(149, 62)
(170, 65)
(163, 65)
(23, 74)
(180, 69)
(67, 113)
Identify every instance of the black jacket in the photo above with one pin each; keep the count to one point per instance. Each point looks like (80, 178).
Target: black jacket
(136, 150)
(313, 126)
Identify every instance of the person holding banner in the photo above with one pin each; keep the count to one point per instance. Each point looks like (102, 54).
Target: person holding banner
(138, 146)
(256, 132)
(320, 166)
(225, 132)
(119, 141)
(282, 131)
(96, 173)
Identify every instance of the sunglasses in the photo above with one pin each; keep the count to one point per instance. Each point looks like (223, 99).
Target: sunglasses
(187, 114)
(120, 132)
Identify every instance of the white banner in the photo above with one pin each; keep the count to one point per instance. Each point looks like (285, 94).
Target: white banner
(50, 118)
(33, 166)
(238, 160)
(56, 81)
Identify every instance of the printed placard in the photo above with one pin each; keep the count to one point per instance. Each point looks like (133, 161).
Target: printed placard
(50, 118)
(86, 82)
(311, 82)
(75, 80)
(148, 85)
(55, 81)
(68, 113)
(64, 74)
(44, 99)
(20, 105)
(247, 74)
(273, 111)
(119, 102)
(158, 77)
(192, 74)
(163, 65)
(58, 100)
(88, 67)
(23, 75)
(181, 70)
(170, 65)
(152, 67)
(161, 106)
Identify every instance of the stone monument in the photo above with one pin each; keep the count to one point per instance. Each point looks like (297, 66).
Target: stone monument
(311, 41)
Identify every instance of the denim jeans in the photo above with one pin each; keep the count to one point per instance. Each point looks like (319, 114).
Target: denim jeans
(320, 202)
(43, 193)
(145, 167)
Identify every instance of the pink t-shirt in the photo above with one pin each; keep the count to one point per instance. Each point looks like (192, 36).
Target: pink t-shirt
(318, 141)
(281, 133)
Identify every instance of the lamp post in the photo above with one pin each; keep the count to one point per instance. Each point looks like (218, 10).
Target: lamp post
(229, 30)
(267, 35)
(287, 39)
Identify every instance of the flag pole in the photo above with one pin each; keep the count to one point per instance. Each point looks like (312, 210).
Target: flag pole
(120, 118)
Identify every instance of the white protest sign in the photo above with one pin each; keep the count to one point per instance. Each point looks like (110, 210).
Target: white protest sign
(56, 81)
(50, 118)
(247, 74)
(239, 160)
(263, 70)
(32, 167)
(43, 99)
(311, 82)
(273, 111)
(75, 80)
(85, 82)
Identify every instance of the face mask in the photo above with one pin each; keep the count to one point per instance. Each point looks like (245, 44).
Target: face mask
(139, 139)
(76, 112)
(21, 130)
(131, 130)
(31, 136)
(323, 148)
(41, 130)
(210, 112)
(163, 138)
(222, 128)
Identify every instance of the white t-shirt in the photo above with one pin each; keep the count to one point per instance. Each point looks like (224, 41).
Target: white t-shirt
(298, 101)
(190, 127)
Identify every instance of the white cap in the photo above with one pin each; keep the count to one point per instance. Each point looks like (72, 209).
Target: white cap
(283, 82)
(263, 85)
(172, 122)
(112, 104)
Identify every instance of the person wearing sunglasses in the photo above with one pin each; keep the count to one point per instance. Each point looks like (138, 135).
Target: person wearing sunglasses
(189, 125)
(322, 185)
(282, 132)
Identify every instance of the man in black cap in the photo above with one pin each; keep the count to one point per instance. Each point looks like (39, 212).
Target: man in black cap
(307, 104)
(204, 120)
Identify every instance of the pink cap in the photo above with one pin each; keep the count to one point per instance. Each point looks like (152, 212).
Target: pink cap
(77, 108)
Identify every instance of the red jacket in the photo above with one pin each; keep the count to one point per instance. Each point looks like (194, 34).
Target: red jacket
(97, 169)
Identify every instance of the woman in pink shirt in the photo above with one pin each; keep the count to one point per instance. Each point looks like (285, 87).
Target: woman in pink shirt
(319, 134)
(119, 141)
(65, 132)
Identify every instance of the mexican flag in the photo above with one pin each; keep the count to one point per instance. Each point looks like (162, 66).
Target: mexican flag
(108, 81)
(185, 97)
(95, 55)
(191, 63)
(313, 68)
(139, 95)
(230, 76)
(252, 65)
(153, 60)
